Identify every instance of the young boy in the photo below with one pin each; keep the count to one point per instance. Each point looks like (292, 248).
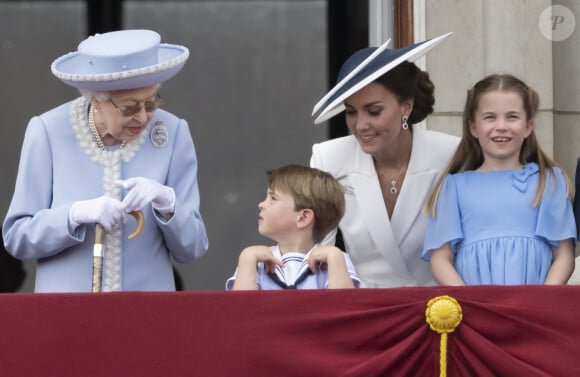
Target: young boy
(302, 205)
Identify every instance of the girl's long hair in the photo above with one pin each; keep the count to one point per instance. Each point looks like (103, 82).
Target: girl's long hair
(469, 155)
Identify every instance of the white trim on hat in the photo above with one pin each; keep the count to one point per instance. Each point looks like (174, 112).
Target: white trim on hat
(336, 106)
(351, 74)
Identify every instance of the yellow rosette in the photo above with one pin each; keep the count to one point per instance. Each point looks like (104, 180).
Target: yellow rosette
(443, 315)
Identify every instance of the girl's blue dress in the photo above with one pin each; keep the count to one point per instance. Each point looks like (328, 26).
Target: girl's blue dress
(497, 236)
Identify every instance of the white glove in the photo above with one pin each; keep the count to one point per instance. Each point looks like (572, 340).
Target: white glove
(141, 191)
(103, 210)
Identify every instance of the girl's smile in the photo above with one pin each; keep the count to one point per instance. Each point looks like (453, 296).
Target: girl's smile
(500, 126)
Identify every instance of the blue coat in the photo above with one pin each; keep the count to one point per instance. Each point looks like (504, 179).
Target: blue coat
(60, 164)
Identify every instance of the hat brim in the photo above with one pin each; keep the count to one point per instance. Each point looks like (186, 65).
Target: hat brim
(171, 59)
(345, 88)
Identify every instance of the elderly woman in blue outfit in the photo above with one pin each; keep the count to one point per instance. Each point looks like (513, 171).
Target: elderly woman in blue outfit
(97, 158)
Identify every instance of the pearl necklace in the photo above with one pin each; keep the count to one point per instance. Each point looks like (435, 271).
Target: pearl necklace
(95, 133)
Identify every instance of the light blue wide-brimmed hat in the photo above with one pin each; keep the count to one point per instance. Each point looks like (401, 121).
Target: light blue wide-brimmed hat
(364, 67)
(118, 60)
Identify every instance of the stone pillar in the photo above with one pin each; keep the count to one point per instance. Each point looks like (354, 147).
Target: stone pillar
(566, 75)
(566, 47)
(489, 36)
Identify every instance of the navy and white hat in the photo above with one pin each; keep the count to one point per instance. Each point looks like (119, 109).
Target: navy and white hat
(118, 60)
(364, 67)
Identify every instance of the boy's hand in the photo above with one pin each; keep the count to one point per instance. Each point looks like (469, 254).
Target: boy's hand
(321, 256)
(331, 258)
(247, 263)
(252, 255)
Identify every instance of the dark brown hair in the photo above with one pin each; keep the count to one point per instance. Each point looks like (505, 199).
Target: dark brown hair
(407, 81)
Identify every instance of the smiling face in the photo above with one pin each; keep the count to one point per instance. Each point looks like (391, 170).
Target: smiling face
(373, 116)
(116, 128)
(500, 125)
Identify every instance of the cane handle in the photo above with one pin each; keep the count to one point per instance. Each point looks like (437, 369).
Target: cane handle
(138, 215)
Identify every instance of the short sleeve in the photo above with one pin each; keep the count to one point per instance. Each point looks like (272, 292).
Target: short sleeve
(446, 226)
(230, 282)
(351, 271)
(259, 273)
(555, 215)
(322, 276)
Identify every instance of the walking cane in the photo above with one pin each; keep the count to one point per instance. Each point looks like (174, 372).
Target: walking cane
(98, 248)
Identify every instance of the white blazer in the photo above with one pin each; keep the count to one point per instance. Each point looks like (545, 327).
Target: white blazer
(385, 252)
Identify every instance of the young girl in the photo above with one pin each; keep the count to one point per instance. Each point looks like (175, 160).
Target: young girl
(502, 214)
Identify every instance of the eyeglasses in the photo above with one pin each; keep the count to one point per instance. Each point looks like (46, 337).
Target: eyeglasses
(129, 111)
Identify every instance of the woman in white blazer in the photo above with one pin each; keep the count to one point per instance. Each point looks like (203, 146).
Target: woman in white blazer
(387, 166)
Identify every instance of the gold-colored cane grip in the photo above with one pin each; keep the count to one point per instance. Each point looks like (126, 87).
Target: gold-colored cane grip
(99, 234)
(138, 215)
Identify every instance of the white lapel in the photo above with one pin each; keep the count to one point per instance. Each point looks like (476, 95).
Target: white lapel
(369, 198)
(416, 187)
(392, 236)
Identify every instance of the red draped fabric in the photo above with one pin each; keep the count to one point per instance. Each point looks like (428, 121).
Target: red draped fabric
(505, 331)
